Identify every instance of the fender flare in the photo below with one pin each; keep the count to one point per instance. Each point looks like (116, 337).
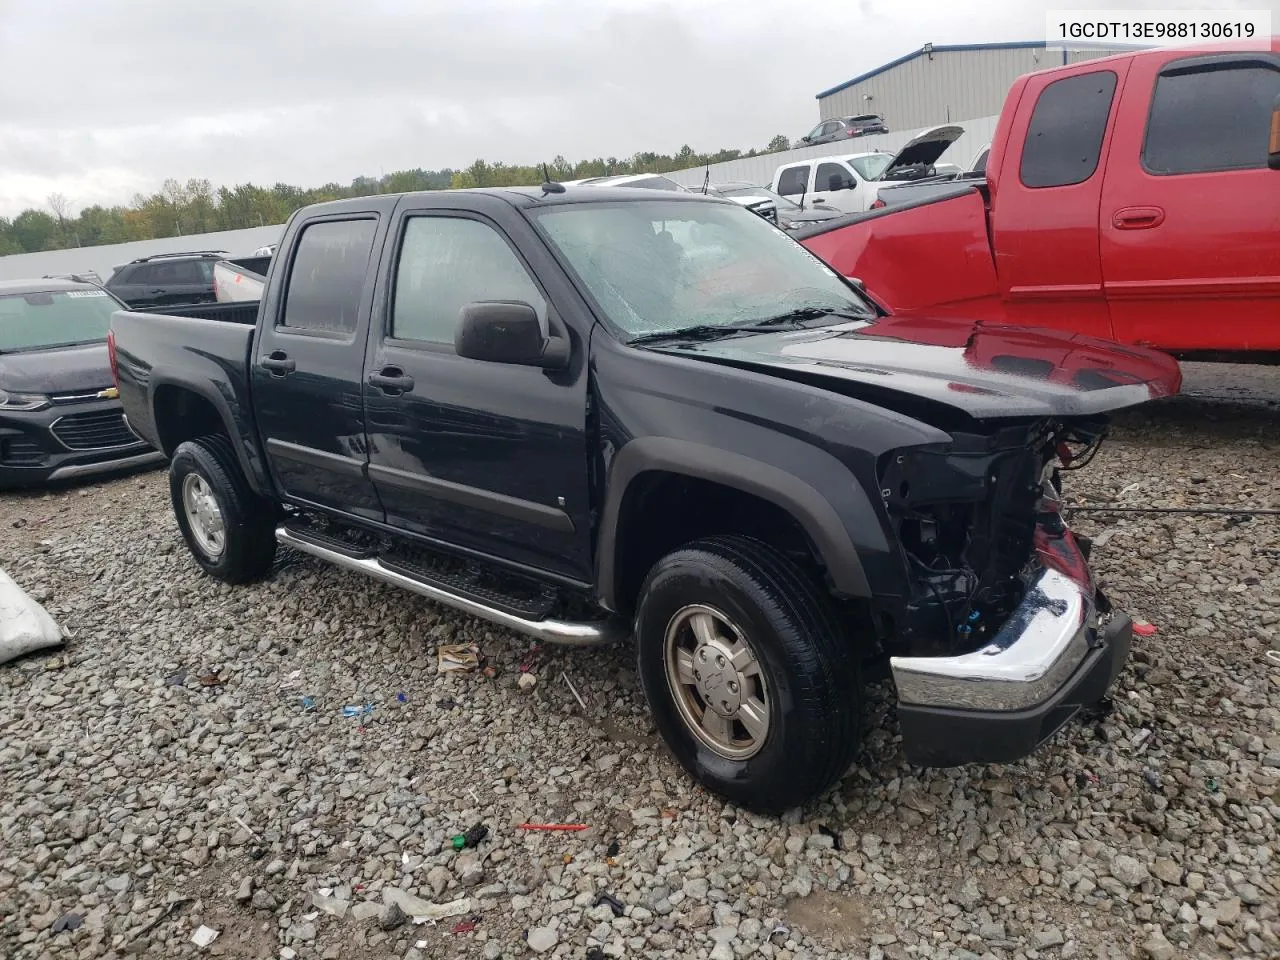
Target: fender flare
(813, 511)
(240, 443)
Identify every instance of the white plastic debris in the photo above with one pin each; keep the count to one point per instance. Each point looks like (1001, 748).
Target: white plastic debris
(204, 936)
(25, 626)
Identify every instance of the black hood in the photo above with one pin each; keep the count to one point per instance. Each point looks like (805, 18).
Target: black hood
(985, 371)
(78, 369)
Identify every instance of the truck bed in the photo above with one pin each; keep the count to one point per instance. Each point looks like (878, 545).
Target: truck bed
(932, 253)
(203, 347)
(240, 311)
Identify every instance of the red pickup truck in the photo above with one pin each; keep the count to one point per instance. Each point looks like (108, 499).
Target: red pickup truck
(1134, 198)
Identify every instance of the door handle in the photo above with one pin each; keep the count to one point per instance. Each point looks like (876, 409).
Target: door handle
(392, 381)
(1137, 218)
(279, 363)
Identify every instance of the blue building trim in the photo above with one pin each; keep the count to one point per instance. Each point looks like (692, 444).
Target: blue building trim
(939, 48)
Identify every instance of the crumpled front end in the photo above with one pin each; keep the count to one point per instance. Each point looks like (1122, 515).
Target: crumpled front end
(1005, 636)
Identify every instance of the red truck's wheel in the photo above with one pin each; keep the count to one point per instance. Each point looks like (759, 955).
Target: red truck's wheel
(229, 530)
(748, 673)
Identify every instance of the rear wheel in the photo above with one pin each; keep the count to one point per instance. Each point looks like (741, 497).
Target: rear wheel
(228, 528)
(748, 673)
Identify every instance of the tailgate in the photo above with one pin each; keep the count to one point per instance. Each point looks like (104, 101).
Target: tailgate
(932, 254)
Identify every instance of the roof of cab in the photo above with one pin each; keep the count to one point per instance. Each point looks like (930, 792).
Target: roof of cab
(42, 285)
(521, 197)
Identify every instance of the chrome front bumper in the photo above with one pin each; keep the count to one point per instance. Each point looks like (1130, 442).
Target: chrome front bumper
(1000, 702)
(1025, 663)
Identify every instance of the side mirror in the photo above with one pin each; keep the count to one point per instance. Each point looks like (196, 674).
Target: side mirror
(837, 182)
(508, 331)
(1273, 149)
(805, 138)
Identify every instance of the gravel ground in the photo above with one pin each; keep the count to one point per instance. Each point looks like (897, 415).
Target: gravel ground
(163, 771)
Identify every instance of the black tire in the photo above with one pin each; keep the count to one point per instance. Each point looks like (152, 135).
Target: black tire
(248, 520)
(811, 672)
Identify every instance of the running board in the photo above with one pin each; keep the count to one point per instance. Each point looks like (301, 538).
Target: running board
(577, 634)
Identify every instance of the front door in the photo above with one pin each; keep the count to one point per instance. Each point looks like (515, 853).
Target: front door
(308, 367)
(487, 457)
(1190, 217)
(835, 184)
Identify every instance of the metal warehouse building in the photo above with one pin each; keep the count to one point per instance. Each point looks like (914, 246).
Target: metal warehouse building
(939, 84)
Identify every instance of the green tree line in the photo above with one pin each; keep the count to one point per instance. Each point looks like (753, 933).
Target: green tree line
(179, 209)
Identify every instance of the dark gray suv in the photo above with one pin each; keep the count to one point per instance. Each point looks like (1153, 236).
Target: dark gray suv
(843, 128)
(166, 279)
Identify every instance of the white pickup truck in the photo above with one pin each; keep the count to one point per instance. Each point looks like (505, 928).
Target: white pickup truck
(852, 181)
(237, 281)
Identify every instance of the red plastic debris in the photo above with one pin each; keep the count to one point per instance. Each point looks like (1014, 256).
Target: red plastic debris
(1144, 629)
(464, 926)
(554, 826)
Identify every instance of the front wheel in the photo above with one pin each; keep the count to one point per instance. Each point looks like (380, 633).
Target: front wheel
(748, 673)
(229, 530)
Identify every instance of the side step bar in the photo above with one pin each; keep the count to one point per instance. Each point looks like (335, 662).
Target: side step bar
(577, 634)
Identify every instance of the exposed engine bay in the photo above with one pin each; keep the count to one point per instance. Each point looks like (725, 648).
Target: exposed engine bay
(970, 516)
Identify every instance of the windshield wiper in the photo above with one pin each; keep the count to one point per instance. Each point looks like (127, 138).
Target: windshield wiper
(700, 331)
(800, 314)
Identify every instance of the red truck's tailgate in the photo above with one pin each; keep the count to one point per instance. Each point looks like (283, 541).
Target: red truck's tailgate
(934, 255)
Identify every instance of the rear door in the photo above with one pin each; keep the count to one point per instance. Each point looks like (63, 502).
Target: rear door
(793, 181)
(1190, 217)
(487, 457)
(308, 369)
(181, 281)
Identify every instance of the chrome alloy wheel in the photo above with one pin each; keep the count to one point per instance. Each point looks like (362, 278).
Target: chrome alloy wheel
(204, 516)
(716, 682)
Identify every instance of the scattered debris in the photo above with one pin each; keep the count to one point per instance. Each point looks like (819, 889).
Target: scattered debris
(1144, 629)
(564, 675)
(211, 680)
(25, 626)
(490, 671)
(20, 523)
(291, 679)
(247, 829)
(554, 826)
(169, 909)
(358, 711)
(615, 848)
(457, 657)
(527, 681)
(463, 926)
(308, 704)
(204, 936)
(401, 698)
(176, 679)
(780, 928)
(68, 921)
(470, 837)
(1211, 785)
(530, 658)
(613, 902)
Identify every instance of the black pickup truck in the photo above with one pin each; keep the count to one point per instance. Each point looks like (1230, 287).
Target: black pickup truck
(590, 413)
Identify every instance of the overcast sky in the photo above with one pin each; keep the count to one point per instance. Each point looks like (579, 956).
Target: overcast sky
(102, 99)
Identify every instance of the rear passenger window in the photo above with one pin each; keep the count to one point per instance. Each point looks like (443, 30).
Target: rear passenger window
(1067, 126)
(446, 263)
(327, 277)
(793, 181)
(1214, 116)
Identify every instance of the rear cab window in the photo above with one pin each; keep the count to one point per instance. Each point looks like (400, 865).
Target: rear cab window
(1211, 114)
(327, 277)
(1064, 138)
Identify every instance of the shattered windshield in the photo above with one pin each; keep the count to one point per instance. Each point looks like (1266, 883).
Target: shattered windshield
(662, 265)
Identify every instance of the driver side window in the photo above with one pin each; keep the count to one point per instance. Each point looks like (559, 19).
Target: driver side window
(833, 176)
(446, 263)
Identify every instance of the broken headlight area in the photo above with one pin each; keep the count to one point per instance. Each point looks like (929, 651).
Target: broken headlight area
(974, 519)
